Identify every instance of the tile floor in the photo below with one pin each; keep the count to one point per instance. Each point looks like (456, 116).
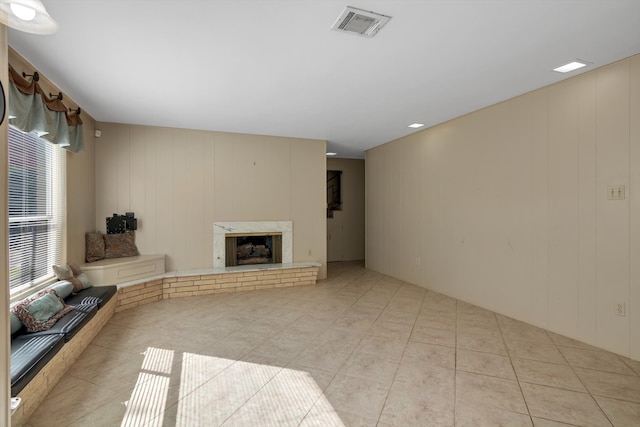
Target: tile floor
(359, 349)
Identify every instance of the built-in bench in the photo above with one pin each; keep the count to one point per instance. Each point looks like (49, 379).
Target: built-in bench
(118, 270)
(40, 359)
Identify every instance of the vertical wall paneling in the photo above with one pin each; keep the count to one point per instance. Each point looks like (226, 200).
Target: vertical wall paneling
(261, 175)
(165, 182)
(398, 238)
(80, 181)
(180, 193)
(194, 200)
(431, 226)
(137, 173)
(208, 194)
(563, 207)
(224, 183)
(420, 166)
(111, 148)
(179, 182)
(307, 210)
(387, 231)
(540, 208)
(371, 202)
(587, 207)
(513, 205)
(148, 214)
(122, 173)
(412, 246)
(612, 133)
(634, 200)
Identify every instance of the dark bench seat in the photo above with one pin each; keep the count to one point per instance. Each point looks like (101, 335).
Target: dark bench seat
(69, 324)
(30, 352)
(98, 295)
(29, 355)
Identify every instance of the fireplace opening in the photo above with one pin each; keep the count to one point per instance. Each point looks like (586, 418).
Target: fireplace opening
(254, 248)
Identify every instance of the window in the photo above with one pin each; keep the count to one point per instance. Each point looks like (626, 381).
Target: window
(36, 209)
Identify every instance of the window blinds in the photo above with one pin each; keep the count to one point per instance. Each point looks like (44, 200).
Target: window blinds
(36, 208)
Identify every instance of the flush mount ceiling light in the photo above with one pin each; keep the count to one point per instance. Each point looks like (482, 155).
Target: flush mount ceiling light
(29, 16)
(360, 22)
(571, 66)
(416, 125)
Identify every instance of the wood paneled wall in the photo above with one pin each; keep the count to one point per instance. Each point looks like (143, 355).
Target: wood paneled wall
(507, 207)
(179, 182)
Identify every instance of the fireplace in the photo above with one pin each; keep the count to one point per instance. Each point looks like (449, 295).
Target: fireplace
(278, 238)
(254, 248)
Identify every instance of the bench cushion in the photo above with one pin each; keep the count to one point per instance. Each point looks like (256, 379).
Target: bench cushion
(98, 295)
(29, 355)
(71, 322)
(30, 352)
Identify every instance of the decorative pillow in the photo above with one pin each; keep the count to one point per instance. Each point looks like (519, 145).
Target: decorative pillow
(41, 311)
(63, 288)
(75, 269)
(80, 280)
(94, 246)
(62, 272)
(73, 274)
(16, 324)
(120, 245)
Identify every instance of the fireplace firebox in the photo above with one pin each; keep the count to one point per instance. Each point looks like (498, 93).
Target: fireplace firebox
(253, 248)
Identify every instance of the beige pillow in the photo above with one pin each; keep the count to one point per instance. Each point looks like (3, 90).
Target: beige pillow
(73, 274)
(62, 272)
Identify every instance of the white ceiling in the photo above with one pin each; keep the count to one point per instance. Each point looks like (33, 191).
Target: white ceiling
(273, 67)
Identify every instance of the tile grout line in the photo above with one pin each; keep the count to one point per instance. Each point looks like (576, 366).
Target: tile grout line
(515, 372)
(384, 404)
(579, 379)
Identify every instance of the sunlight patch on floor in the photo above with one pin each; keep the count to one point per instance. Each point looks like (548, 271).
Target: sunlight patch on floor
(215, 391)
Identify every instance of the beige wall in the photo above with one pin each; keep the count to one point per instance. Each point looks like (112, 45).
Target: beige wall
(179, 182)
(507, 207)
(5, 335)
(345, 231)
(81, 184)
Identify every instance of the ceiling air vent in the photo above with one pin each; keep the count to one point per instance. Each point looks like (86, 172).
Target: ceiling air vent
(360, 22)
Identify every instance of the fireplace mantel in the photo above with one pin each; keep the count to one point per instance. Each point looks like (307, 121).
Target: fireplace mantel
(221, 229)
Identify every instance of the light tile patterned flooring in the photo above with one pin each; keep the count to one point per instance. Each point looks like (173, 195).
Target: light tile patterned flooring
(359, 349)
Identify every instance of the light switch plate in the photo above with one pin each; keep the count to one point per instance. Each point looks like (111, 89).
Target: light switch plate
(616, 192)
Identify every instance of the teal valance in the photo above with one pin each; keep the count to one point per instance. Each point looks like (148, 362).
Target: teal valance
(30, 110)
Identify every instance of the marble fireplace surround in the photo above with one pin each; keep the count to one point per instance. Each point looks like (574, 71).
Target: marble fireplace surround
(221, 229)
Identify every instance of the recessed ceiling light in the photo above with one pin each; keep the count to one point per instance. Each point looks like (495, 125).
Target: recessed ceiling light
(332, 154)
(571, 66)
(416, 125)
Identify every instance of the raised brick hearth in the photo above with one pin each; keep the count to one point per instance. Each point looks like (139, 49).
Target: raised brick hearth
(187, 285)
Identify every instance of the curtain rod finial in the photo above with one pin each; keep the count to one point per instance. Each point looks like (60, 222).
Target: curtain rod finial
(35, 76)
